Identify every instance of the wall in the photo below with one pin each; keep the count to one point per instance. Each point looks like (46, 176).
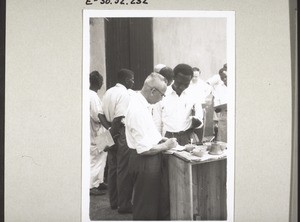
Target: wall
(97, 50)
(198, 42)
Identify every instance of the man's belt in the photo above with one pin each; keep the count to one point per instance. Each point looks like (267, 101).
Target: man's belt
(180, 132)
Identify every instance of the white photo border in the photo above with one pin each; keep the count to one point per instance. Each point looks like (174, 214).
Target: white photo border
(230, 16)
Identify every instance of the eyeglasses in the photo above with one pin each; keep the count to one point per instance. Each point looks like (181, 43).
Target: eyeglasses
(162, 94)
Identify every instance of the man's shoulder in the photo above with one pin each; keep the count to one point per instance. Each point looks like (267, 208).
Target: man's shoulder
(115, 90)
(93, 95)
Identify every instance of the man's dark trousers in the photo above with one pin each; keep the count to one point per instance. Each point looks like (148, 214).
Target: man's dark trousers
(119, 183)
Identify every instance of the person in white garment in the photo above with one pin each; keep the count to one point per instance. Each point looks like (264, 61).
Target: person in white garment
(114, 104)
(168, 73)
(146, 147)
(201, 90)
(214, 82)
(179, 111)
(180, 114)
(220, 100)
(97, 157)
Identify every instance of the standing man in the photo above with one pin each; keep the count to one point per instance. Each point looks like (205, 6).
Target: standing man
(97, 157)
(220, 104)
(201, 91)
(168, 73)
(215, 81)
(219, 92)
(115, 104)
(146, 145)
(180, 112)
(202, 88)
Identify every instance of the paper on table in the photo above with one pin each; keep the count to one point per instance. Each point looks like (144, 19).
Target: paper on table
(177, 148)
(103, 140)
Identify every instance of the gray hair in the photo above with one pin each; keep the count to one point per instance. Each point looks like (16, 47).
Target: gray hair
(155, 80)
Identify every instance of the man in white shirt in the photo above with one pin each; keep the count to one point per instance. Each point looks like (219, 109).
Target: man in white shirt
(146, 143)
(97, 157)
(180, 112)
(220, 99)
(215, 81)
(115, 104)
(166, 72)
(201, 90)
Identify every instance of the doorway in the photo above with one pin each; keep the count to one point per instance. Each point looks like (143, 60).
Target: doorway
(128, 44)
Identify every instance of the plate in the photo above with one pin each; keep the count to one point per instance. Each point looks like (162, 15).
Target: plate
(178, 148)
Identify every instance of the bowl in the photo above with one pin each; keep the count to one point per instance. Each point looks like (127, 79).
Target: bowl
(202, 147)
(199, 152)
(189, 147)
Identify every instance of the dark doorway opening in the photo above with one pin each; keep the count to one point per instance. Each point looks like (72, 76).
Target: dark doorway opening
(129, 44)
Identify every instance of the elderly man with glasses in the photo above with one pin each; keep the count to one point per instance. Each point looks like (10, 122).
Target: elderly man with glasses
(147, 145)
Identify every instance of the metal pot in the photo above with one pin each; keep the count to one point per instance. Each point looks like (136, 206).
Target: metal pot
(215, 149)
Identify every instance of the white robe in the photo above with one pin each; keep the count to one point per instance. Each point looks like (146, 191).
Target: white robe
(97, 157)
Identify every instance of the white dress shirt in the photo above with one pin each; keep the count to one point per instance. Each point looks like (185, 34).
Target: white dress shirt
(175, 111)
(115, 102)
(214, 80)
(141, 132)
(220, 94)
(201, 90)
(156, 112)
(97, 157)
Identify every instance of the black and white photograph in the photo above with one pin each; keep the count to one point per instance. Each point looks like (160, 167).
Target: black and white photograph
(134, 110)
(158, 115)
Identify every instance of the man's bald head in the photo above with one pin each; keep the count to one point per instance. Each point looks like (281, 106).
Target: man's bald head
(154, 88)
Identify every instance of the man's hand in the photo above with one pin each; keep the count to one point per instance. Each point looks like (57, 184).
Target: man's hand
(104, 121)
(168, 144)
(115, 126)
(171, 143)
(106, 148)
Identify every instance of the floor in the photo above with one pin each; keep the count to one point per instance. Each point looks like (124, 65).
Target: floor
(100, 210)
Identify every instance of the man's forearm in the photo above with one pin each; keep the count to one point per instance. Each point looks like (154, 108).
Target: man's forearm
(156, 149)
(195, 123)
(104, 121)
(116, 125)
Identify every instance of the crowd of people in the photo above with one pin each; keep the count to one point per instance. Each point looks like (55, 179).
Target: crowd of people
(168, 111)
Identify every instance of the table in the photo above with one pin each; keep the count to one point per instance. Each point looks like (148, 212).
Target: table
(197, 186)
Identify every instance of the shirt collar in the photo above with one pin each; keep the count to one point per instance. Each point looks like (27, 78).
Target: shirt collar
(92, 91)
(172, 91)
(143, 99)
(121, 85)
